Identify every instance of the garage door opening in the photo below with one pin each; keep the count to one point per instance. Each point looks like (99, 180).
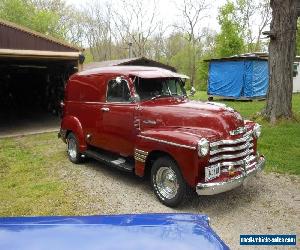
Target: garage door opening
(30, 94)
(33, 70)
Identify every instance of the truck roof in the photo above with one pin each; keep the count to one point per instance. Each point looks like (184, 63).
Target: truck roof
(139, 71)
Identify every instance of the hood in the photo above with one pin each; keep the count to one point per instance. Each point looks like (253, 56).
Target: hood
(207, 119)
(136, 231)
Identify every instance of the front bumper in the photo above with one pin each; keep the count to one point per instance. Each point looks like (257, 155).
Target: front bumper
(220, 187)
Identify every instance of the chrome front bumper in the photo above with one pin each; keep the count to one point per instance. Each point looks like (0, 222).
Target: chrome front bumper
(220, 187)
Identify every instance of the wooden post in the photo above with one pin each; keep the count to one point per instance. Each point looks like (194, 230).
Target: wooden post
(80, 66)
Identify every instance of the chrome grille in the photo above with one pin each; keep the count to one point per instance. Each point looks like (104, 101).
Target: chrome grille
(231, 156)
(246, 145)
(236, 153)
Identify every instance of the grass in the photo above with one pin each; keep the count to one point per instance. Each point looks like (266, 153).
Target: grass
(31, 182)
(280, 143)
(32, 168)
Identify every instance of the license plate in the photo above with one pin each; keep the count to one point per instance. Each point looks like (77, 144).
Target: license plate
(212, 172)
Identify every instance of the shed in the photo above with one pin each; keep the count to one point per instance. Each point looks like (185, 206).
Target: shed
(33, 70)
(136, 61)
(238, 77)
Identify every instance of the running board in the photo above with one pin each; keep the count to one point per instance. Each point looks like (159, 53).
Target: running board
(111, 159)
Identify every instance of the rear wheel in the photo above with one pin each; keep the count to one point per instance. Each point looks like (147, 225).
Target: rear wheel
(73, 149)
(167, 182)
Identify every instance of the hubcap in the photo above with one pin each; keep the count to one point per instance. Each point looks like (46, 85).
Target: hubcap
(166, 182)
(72, 149)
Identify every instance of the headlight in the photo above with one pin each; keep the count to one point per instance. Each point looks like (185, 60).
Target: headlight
(203, 147)
(257, 130)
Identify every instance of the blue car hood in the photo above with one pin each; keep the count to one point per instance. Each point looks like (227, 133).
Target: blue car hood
(133, 231)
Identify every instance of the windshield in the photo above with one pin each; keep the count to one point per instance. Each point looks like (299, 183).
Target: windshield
(159, 87)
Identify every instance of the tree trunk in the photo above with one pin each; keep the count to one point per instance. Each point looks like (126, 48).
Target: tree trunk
(193, 66)
(281, 58)
(193, 62)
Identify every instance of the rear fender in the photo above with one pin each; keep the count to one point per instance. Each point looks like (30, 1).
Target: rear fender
(71, 123)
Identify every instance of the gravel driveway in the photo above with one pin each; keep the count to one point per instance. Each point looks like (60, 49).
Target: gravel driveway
(269, 204)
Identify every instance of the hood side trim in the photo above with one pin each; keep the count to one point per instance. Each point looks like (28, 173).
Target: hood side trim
(167, 142)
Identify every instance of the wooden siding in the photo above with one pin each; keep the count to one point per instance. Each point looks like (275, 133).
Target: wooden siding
(16, 37)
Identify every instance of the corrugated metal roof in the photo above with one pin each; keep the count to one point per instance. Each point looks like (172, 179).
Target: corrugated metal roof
(254, 55)
(137, 61)
(109, 63)
(251, 56)
(25, 37)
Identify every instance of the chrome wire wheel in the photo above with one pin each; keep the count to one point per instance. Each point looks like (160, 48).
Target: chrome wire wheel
(166, 182)
(72, 148)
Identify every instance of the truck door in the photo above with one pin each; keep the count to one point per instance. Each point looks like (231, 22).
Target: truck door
(118, 119)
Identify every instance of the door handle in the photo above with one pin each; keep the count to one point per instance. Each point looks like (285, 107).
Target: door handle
(105, 109)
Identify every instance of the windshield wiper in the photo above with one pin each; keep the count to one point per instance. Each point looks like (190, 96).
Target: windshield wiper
(179, 96)
(159, 96)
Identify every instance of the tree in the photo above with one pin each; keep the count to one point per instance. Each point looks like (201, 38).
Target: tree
(69, 20)
(298, 38)
(265, 18)
(281, 58)
(229, 41)
(98, 30)
(208, 52)
(157, 44)
(244, 13)
(192, 12)
(136, 23)
(253, 17)
(25, 13)
(178, 51)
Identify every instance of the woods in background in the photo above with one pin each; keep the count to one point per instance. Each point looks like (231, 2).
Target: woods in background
(105, 29)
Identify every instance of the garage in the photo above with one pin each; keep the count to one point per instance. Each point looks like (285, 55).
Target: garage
(33, 71)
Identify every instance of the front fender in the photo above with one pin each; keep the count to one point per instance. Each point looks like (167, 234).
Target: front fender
(72, 123)
(180, 146)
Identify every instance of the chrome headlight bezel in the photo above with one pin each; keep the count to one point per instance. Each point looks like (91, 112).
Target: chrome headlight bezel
(257, 130)
(203, 147)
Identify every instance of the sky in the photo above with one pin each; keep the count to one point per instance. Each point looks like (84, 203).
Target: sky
(168, 10)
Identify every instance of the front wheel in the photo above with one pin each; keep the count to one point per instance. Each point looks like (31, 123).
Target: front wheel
(167, 182)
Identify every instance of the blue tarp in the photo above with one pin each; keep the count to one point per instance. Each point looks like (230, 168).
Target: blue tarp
(245, 78)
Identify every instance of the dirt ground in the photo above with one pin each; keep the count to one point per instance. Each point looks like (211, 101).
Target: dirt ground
(33, 123)
(268, 204)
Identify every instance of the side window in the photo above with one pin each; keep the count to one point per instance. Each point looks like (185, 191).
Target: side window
(117, 92)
